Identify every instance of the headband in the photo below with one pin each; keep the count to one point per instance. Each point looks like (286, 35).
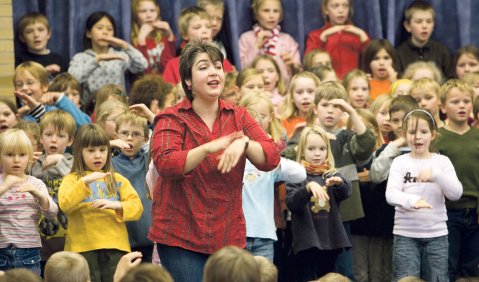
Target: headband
(423, 111)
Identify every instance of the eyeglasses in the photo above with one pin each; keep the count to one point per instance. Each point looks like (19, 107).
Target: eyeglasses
(134, 134)
(29, 83)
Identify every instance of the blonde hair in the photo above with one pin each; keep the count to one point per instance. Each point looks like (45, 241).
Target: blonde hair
(290, 110)
(256, 5)
(454, 83)
(60, 120)
(31, 18)
(92, 135)
(324, 6)
(16, 141)
(267, 270)
(308, 58)
(35, 69)
(110, 90)
(333, 277)
(281, 84)
(379, 102)
(186, 15)
(245, 75)
(328, 90)
(315, 129)
(396, 84)
(274, 129)
(30, 127)
(471, 77)
(135, 120)
(233, 264)
(217, 3)
(425, 84)
(107, 108)
(155, 34)
(147, 272)
(67, 267)
(411, 70)
(350, 76)
(368, 118)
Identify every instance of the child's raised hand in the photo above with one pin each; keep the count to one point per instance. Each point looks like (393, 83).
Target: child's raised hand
(11, 180)
(330, 31)
(392, 73)
(36, 156)
(424, 175)
(87, 179)
(50, 98)
(108, 57)
(27, 100)
(165, 27)
(422, 204)
(335, 180)
(343, 105)
(116, 42)
(52, 160)
(126, 263)
(53, 68)
(143, 111)
(318, 191)
(120, 144)
(357, 31)
(106, 204)
(261, 38)
(144, 31)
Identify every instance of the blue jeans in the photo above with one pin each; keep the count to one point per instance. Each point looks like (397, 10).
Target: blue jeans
(463, 243)
(261, 247)
(409, 254)
(13, 257)
(183, 265)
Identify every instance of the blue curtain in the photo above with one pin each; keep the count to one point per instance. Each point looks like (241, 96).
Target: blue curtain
(380, 18)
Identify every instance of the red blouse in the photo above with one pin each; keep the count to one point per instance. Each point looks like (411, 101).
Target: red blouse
(201, 210)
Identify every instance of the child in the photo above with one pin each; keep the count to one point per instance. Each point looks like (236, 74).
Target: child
(467, 60)
(34, 31)
(419, 19)
(231, 92)
(107, 115)
(57, 130)
(380, 107)
(300, 97)
(419, 70)
(400, 87)
(153, 92)
(215, 9)
(132, 163)
(231, 263)
(356, 83)
(32, 129)
(249, 81)
(99, 63)
(267, 270)
(98, 202)
(316, 58)
(426, 92)
(343, 41)
(67, 267)
(459, 143)
(314, 205)
(266, 38)
(191, 17)
(273, 79)
(325, 73)
(108, 92)
(23, 199)
(473, 79)
(258, 186)
(19, 274)
(418, 182)
(150, 35)
(147, 272)
(31, 85)
(380, 62)
(8, 114)
(65, 82)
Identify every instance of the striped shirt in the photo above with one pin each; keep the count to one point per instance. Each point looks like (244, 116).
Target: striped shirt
(20, 213)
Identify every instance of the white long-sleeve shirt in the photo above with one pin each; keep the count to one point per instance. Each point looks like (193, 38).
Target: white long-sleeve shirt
(403, 192)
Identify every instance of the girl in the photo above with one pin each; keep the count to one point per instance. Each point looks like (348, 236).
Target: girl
(249, 81)
(339, 37)
(380, 108)
(418, 182)
(421, 69)
(99, 63)
(97, 201)
(316, 58)
(8, 114)
(23, 199)
(356, 83)
(267, 38)
(152, 36)
(300, 98)
(467, 60)
(318, 232)
(105, 93)
(259, 187)
(273, 79)
(380, 62)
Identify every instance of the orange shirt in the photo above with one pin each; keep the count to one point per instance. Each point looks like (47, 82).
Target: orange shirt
(290, 124)
(379, 87)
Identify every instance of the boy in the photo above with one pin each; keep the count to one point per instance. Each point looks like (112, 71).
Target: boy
(67, 267)
(57, 129)
(419, 22)
(215, 9)
(426, 92)
(191, 17)
(67, 83)
(132, 163)
(34, 31)
(459, 142)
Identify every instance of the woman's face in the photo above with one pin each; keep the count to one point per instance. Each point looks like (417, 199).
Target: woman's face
(207, 78)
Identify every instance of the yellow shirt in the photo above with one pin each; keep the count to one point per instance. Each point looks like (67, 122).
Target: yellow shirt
(92, 228)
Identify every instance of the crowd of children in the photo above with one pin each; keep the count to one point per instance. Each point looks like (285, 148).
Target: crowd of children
(376, 180)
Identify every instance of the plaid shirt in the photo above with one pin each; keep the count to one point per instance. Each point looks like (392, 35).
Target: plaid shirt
(201, 210)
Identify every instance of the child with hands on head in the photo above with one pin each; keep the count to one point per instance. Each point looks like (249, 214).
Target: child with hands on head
(314, 204)
(99, 63)
(418, 184)
(339, 36)
(266, 38)
(150, 35)
(19, 237)
(98, 202)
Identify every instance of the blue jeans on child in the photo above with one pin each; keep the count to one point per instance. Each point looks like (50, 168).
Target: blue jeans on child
(410, 253)
(261, 247)
(184, 265)
(13, 257)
